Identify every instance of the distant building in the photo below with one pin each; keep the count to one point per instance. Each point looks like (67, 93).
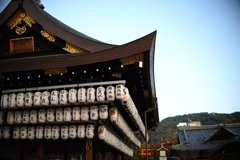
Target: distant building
(194, 123)
(208, 142)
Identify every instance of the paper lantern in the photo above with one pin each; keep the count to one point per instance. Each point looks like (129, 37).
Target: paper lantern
(100, 94)
(10, 117)
(12, 101)
(54, 97)
(110, 93)
(85, 114)
(33, 116)
(91, 94)
(64, 132)
(126, 94)
(39, 132)
(51, 115)
(72, 97)
(67, 114)
(42, 116)
(6, 132)
(94, 112)
(63, 97)
(45, 98)
(82, 95)
(55, 132)
(20, 99)
(90, 131)
(73, 131)
(18, 116)
(48, 132)
(31, 132)
(103, 112)
(4, 101)
(120, 91)
(1, 132)
(102, 132)
(23, 133)
(76, 113)
(37, 98)
(16, 132)
(59, 114)
(1, 117)
(29, 99)
(25, 117)
(113, 114)
(81, 131)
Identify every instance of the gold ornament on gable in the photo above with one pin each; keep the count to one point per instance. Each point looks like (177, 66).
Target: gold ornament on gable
(73, 49)
(49, 36)
(132, 59)
(55, 71)
(16, 20)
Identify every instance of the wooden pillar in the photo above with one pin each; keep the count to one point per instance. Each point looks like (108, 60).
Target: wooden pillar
(117, 156)
(40, 151)
(89, 151)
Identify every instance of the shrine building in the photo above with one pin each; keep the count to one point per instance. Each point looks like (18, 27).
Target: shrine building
(65, 95)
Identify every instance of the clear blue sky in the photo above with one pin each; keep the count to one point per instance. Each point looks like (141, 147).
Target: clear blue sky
(197, 54)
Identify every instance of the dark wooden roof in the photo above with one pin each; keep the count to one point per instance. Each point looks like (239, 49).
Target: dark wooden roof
(54, 26)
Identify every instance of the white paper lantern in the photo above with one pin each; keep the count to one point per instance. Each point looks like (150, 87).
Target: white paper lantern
(6, 132)
(91, 94)
(37, 98)
(1, 132)
(73, 131)
(85, 114)
(94, 112)
(42, 116)
(113, 114)
(1, 117)
(82, 95)
(29, 99)
(64, 132)
(51, 115)
(72, 95)
(126, 94)
(20, 99)
(48, 132)
(23, 133)
(54, 97)
(18, 116)
(76, 113)
(16, 132)
(67, 114)
(81, 131)
(103, 112)
(100, 94)
(31, 132)
(33, 116)
(40, 132)
(102, 132)
(25, 117)
(111, 93)
(59, 114)
(120, 91)
(63, 97)
(55, 132)
(4, 101)
(90, 131)
(45, 98)
(12, 101)
(10, 117)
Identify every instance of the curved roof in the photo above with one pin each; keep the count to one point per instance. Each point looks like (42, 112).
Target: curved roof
(54, 26)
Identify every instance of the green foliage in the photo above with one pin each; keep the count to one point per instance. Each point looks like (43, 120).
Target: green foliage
(168, 126)
(136, 154)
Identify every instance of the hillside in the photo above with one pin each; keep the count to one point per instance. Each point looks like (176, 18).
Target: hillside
(168, 126)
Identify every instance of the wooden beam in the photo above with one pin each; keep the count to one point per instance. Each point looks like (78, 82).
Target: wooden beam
(89, 152)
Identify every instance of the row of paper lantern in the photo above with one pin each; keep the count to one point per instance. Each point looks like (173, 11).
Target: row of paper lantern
(118, 120)
(108, 137)
(63, 97)
(48, 132)
(131, 108)
(58, 115)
